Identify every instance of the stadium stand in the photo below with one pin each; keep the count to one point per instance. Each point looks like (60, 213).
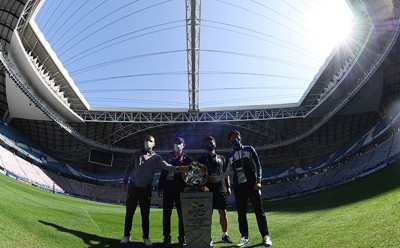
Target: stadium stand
(280, 184)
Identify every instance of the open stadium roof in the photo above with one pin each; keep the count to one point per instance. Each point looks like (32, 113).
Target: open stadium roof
(144, 54)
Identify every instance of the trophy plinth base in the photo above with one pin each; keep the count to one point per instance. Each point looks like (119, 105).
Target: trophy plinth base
(197, 208)
(196, 189)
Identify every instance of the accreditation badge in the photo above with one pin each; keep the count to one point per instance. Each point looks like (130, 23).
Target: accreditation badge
(240, 175)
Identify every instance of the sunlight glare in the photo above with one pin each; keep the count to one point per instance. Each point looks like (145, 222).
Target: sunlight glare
(332, 24)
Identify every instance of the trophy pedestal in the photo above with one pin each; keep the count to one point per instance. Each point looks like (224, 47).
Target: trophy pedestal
(197, 218)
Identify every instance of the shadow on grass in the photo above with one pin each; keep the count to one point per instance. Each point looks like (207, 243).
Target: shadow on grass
(95, 241)
(370, 186)
(247, 246)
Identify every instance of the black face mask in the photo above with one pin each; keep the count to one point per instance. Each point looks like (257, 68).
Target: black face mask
(237, 143)
(210, 147)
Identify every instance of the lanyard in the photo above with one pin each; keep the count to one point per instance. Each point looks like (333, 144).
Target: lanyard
(240, 157)
(143, 158)
(176, 160)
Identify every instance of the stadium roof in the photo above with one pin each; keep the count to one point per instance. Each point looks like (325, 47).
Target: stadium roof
(143, 54)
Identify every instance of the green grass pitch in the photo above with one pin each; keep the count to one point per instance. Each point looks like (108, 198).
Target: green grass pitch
(361, 213)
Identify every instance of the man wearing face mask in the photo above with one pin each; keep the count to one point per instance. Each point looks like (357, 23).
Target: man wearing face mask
(138, 178)
(244, 162)
(221, 190)
(170, 186)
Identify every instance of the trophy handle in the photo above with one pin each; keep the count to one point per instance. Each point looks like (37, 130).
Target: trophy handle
(201, 170)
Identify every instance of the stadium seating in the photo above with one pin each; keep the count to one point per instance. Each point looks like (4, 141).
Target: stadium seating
(358, 157)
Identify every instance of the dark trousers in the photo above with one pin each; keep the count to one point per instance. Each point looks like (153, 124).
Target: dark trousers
(171, 196)
(241, 197)
(142, 196)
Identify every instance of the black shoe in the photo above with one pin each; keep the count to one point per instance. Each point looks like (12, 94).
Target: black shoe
(181, 241)
(167, 241)
(226, 239)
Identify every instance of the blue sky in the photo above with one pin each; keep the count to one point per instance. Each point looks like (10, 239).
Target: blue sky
(252, 52)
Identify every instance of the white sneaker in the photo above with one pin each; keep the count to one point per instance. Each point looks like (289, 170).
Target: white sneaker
(147, 242)
(267, 241)
(125, 240)
(243, 241)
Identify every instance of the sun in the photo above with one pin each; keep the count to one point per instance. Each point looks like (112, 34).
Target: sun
(332, 24)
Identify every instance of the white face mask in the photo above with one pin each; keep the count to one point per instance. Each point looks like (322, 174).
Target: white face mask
(178, 147)
(148, 145)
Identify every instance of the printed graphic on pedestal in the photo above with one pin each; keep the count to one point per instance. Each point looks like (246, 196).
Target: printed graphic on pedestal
(196, 209)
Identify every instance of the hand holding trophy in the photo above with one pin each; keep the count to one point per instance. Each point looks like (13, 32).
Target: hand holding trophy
(196, 177)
